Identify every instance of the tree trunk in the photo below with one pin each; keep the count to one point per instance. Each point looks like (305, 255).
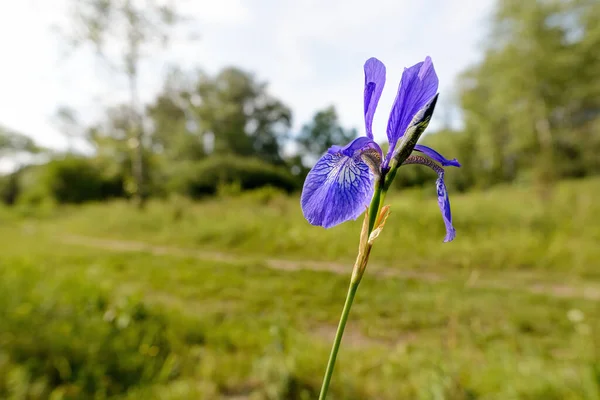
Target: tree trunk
(137, 144)
(547, 173)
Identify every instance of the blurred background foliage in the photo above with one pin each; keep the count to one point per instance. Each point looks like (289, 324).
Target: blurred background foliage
(79, 323)
(531, 114)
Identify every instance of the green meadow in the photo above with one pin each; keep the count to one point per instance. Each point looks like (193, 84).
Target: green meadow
(238, 297)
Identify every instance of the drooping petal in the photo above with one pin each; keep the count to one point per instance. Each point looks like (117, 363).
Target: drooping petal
(444, 203)
(374, 82)
(442, 193)
(418, 85)
(340, 185)
(431, 153)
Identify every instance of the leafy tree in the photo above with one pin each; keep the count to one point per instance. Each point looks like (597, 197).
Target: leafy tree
(12, 142)
(12, 145)
(110, 138)
(175, 132)
(532, 104)
(232, 110)
(133, 27)
(241, 116)
(67, 122)
(323, 132)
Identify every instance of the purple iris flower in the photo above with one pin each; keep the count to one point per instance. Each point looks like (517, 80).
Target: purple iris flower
(340, 185)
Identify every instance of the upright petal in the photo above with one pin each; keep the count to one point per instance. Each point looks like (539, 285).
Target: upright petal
(339, 187)
(374, 82)
(444, 203)
(418, 86)
(406, 144)
(431, 153)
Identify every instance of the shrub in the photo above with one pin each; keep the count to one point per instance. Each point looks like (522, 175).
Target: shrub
(197, 179)
(9, 188)
(71, 179)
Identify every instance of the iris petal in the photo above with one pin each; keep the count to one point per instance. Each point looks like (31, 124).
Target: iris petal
(340, 185)
(444, 203)
(359, 144)
(406, 144)
(431, 153)
(442, 193)
(418, 85)
(374, 82)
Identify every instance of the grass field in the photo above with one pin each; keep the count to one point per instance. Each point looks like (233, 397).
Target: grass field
(238, 298)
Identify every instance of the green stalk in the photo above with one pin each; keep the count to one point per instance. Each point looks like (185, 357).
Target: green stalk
(375, 205)
(338, 338)
(374, 209)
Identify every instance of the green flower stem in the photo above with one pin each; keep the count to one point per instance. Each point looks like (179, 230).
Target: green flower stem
(374, 209)
(389, 177)
(375, 205)
(338, 338)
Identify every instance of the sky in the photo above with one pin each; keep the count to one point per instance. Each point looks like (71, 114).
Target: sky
(310, 52)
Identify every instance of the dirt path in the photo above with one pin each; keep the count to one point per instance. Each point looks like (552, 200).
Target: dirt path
(588, 291)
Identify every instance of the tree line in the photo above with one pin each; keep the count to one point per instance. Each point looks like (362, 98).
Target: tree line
(530, 111)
